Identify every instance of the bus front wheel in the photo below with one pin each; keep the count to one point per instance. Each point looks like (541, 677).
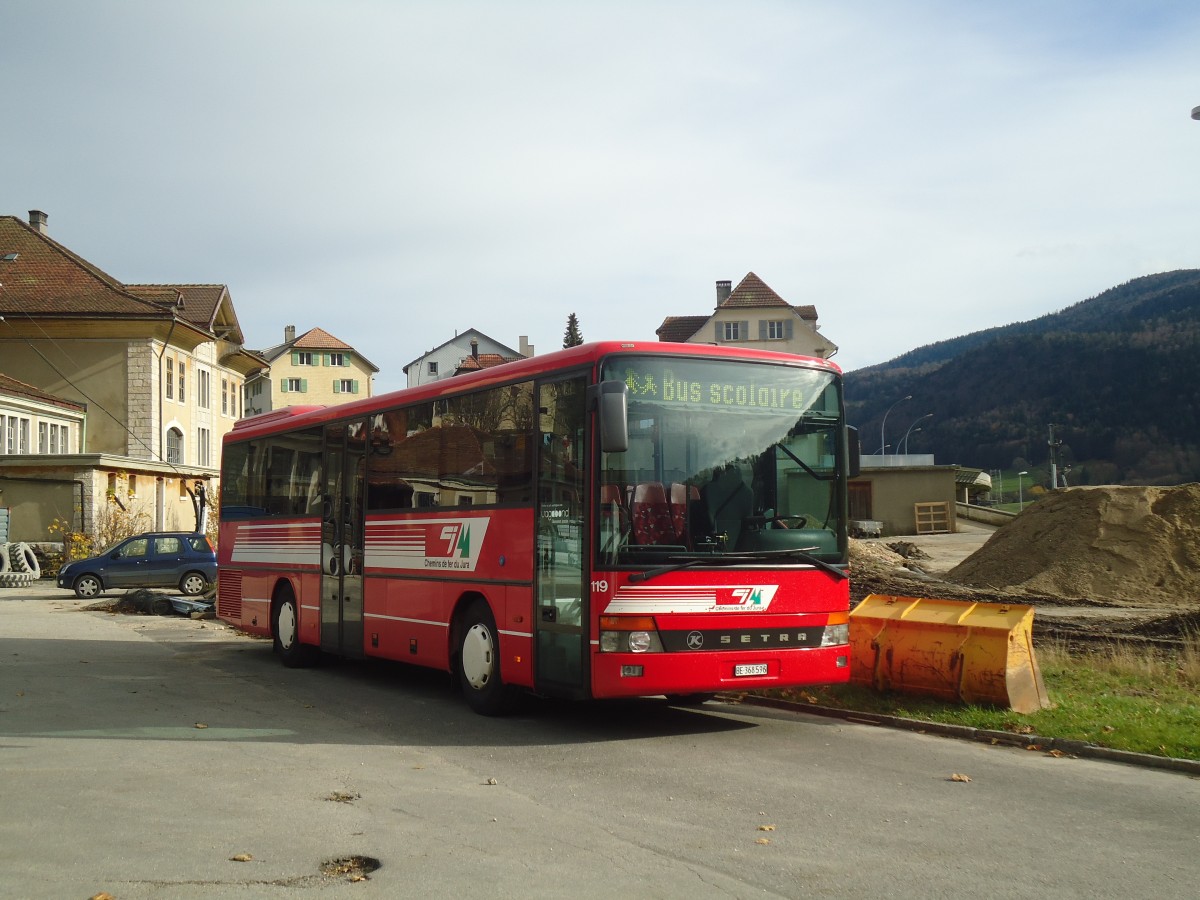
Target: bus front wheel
(285, 628)
(479, 663)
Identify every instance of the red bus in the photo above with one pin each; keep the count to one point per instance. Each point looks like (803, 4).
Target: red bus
(610, 520)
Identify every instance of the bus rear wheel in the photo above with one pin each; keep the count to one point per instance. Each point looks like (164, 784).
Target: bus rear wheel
(285, 629)
(479, 663)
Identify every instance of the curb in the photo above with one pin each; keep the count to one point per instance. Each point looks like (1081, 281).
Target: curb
(986, 736)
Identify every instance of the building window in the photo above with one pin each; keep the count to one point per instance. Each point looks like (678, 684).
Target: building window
(775, 331)
(345, 386)
(24, 446)
(64, 441)
(338, 359)
(174, 446)
(43, 437)
(303, 358)
(132, 485)
(203, 447)
(182, 380)
(202, 397)
(732, 332)
(294, 385)
(432, 368)
(54, 432)
(170, 378)
(224, 396)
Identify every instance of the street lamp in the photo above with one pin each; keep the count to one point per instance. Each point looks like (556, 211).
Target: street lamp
(1021, 490)
(883, 424)
(904, 443)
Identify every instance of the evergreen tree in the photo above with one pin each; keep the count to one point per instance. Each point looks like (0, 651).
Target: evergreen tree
(573, 336)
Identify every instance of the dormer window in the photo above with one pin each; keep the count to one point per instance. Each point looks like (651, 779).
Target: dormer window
(732, 331)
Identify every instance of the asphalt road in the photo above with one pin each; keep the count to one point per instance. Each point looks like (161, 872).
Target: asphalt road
(140, 756)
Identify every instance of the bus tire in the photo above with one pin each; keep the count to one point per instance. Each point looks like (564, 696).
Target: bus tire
(478, 661)
(285, 631)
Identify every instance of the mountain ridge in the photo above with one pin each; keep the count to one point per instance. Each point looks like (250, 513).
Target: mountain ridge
(1116, 375)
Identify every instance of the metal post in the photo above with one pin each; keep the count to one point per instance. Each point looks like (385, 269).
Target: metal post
(883, 424)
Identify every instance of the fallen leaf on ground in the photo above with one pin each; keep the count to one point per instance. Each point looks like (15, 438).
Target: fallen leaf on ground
(241, 857)
(766, 827)
(959, 777)
(763, 841)
(200, 725)
(1057, 754)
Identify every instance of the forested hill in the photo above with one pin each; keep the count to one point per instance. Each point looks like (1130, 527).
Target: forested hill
(1117, 375)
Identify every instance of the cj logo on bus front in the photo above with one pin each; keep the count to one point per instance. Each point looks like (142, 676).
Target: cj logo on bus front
(667, 387)
(748, 597)
(425, 543)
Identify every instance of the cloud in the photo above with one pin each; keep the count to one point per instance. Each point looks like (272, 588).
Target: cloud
(393, 172)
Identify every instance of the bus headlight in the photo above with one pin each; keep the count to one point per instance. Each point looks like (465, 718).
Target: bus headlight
(639, 641)
(833, 635)
(629, 634)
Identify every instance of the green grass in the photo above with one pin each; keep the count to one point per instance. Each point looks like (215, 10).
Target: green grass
(1124, 698)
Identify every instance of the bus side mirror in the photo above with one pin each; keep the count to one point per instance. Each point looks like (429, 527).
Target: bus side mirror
(610, 399)
(853, 451)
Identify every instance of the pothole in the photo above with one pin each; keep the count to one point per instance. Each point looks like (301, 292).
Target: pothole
(352, 868)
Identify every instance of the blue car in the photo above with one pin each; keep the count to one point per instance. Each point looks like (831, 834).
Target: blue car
(157, 559)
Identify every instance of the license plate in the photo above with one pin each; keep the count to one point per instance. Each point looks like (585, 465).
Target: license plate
(749, 669)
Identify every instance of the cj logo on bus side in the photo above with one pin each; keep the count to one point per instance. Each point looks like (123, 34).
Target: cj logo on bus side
(425, 544)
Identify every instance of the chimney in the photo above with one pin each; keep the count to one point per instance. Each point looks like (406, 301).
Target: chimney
(526, 348)
(474, 349)
(723, 290)
(289, 333)
(37, 219)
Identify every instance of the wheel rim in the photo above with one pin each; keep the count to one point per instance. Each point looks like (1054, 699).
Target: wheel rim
(286, 626)
(478, 656)
(88, 587)
(193, 585)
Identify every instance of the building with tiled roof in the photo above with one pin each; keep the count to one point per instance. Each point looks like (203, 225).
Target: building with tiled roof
(155, 369)
(751, 315)
(314, 368)
(466, 352)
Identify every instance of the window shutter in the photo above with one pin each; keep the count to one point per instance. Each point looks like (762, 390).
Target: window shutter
(762, 329)
(295, 357)
(283, 385)
(337, 386)
(304, 385)
(720, 334)
(325, 359)
(354, 384)
(744, 331)
(787, 328)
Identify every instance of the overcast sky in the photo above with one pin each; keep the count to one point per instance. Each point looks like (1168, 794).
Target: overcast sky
(396, 171)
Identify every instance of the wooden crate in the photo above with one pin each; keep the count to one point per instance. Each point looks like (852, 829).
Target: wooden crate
(932, 518)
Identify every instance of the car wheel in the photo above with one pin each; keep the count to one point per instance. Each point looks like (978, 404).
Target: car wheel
(285, 629)
(193, 584)
(87, 586)
(479, 663)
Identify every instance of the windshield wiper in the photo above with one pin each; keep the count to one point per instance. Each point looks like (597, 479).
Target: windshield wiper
(800, 552)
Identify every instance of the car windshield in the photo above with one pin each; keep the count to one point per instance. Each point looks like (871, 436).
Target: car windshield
(724, 458)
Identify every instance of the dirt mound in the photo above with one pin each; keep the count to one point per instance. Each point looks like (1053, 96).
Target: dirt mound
(1136, 545)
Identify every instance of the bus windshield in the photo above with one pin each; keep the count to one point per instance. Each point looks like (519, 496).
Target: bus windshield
(725, 458)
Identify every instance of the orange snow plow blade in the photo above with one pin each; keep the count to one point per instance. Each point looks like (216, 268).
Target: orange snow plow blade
(953, 649)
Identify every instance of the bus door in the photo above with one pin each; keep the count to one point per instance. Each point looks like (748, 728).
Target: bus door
(342, 539)
(560, 600)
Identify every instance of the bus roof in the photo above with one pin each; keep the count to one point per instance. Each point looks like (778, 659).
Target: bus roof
(292, 417)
